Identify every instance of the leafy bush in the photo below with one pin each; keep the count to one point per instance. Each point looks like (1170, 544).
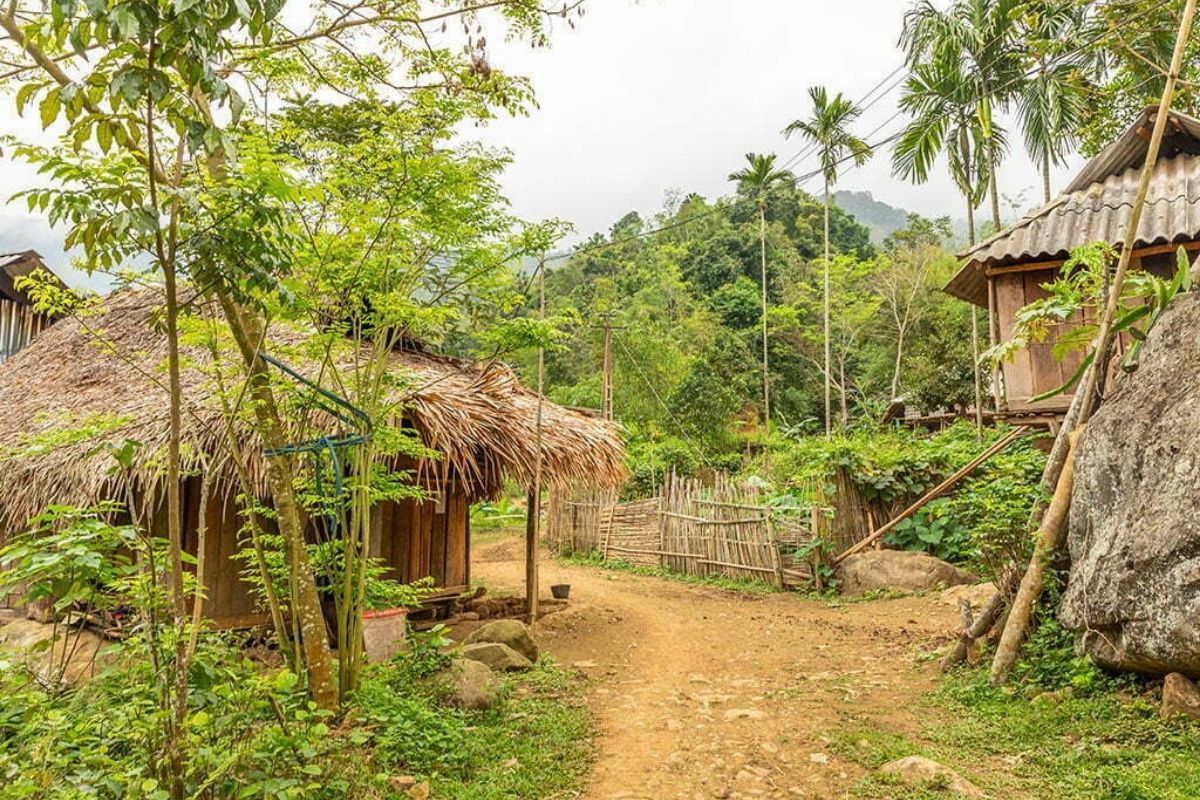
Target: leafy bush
(251, 732)
(936, 531)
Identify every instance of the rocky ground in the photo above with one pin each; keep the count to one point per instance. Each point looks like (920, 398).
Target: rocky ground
(703, 693)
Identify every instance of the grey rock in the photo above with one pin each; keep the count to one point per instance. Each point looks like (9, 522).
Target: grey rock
(499, 657)
(510, 632)
(920, 771)
(898, 570)
(1133, 594)
(469, 684)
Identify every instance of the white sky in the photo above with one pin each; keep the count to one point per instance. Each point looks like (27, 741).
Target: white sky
(646, 96)
(643, 97)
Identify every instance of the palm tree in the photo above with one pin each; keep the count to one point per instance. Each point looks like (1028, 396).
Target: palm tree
(829, 129)
(1051, 101)
(973, 42)
(943, 104)
(756, 182)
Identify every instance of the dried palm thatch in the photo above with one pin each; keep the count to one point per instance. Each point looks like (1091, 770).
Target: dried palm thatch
(98, 381)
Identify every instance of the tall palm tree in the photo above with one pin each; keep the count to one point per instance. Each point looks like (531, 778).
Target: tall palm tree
(942, 101)
(829, 129)
(1051, 101)
(974, 41)
(756, 182)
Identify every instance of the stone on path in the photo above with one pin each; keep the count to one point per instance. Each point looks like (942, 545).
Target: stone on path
(499, 657)
(509, 632)
(920, 771)
(898, 570)
(1180, 697)
(743, 713)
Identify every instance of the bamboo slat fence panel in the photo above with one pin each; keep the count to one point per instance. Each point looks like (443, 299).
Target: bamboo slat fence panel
(710, 529)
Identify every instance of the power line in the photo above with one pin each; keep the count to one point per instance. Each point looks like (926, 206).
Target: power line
(808, 176)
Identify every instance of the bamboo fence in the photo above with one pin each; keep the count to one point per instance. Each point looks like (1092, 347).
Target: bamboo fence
(709, 529)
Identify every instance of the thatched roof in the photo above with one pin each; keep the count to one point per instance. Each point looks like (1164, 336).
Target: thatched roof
(102, 378)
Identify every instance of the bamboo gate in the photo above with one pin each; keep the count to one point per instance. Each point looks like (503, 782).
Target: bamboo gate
(715, 529)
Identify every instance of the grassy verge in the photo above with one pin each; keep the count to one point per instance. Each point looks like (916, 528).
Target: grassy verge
(717, 582)
(534, 743)
(1108, 745)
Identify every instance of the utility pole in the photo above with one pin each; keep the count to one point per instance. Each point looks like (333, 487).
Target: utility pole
(606, 391)
(533, 520)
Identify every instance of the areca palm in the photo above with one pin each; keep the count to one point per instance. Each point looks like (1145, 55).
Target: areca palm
(828, 128)
(756, 182)
(971, 51)
(1051, 101)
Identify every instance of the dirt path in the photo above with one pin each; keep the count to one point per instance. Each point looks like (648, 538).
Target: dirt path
(704, 693)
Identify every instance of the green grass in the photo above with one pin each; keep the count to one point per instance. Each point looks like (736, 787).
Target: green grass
(718, 582)
(1109, 745)
(544, 726)
(536, 742)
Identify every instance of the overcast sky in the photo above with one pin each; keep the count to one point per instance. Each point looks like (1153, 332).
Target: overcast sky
(647, 96)
(643, 97)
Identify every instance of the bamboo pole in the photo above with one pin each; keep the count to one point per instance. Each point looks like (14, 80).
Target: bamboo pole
(1049, 539)
(533, 523)
(932, 494)
(1017, 626)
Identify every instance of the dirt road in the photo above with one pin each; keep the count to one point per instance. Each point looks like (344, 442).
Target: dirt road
(704, 693)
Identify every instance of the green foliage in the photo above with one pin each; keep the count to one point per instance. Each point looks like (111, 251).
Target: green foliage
(934, 530)
(994, 504)
(252, 731)
(885, 464)
(1108, 744)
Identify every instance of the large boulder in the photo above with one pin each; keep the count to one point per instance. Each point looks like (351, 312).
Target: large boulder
(898, 571)
(1133, 594)
(56, 654)
(509, 632)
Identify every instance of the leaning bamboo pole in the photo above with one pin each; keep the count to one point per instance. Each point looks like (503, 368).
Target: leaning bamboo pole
(932, 494)
(1016, 627)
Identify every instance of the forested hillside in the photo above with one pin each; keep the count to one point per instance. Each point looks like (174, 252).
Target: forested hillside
(683, 292)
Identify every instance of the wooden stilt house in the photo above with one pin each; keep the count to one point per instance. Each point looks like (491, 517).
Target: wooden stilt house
(102, 375)
(19, 323)
(1007, 271)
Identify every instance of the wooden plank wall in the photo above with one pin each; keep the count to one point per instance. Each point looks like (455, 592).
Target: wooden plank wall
(1035, 370)
(430, 539)
(18, 325)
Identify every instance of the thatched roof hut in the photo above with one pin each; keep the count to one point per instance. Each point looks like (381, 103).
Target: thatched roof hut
(100, 379)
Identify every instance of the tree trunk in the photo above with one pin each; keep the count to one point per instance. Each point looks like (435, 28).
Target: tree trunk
(842, 389)
(762, 246)
(994, 192)
(306, 603)
(900, 332)
(1046, 193)
(828, 345)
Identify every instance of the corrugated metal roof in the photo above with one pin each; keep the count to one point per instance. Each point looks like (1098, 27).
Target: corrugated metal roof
(1097, 206)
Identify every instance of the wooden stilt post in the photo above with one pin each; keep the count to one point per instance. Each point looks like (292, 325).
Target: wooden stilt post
(534, 520)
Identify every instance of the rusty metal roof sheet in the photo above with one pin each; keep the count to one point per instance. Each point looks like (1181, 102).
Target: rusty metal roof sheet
(1097, 205)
